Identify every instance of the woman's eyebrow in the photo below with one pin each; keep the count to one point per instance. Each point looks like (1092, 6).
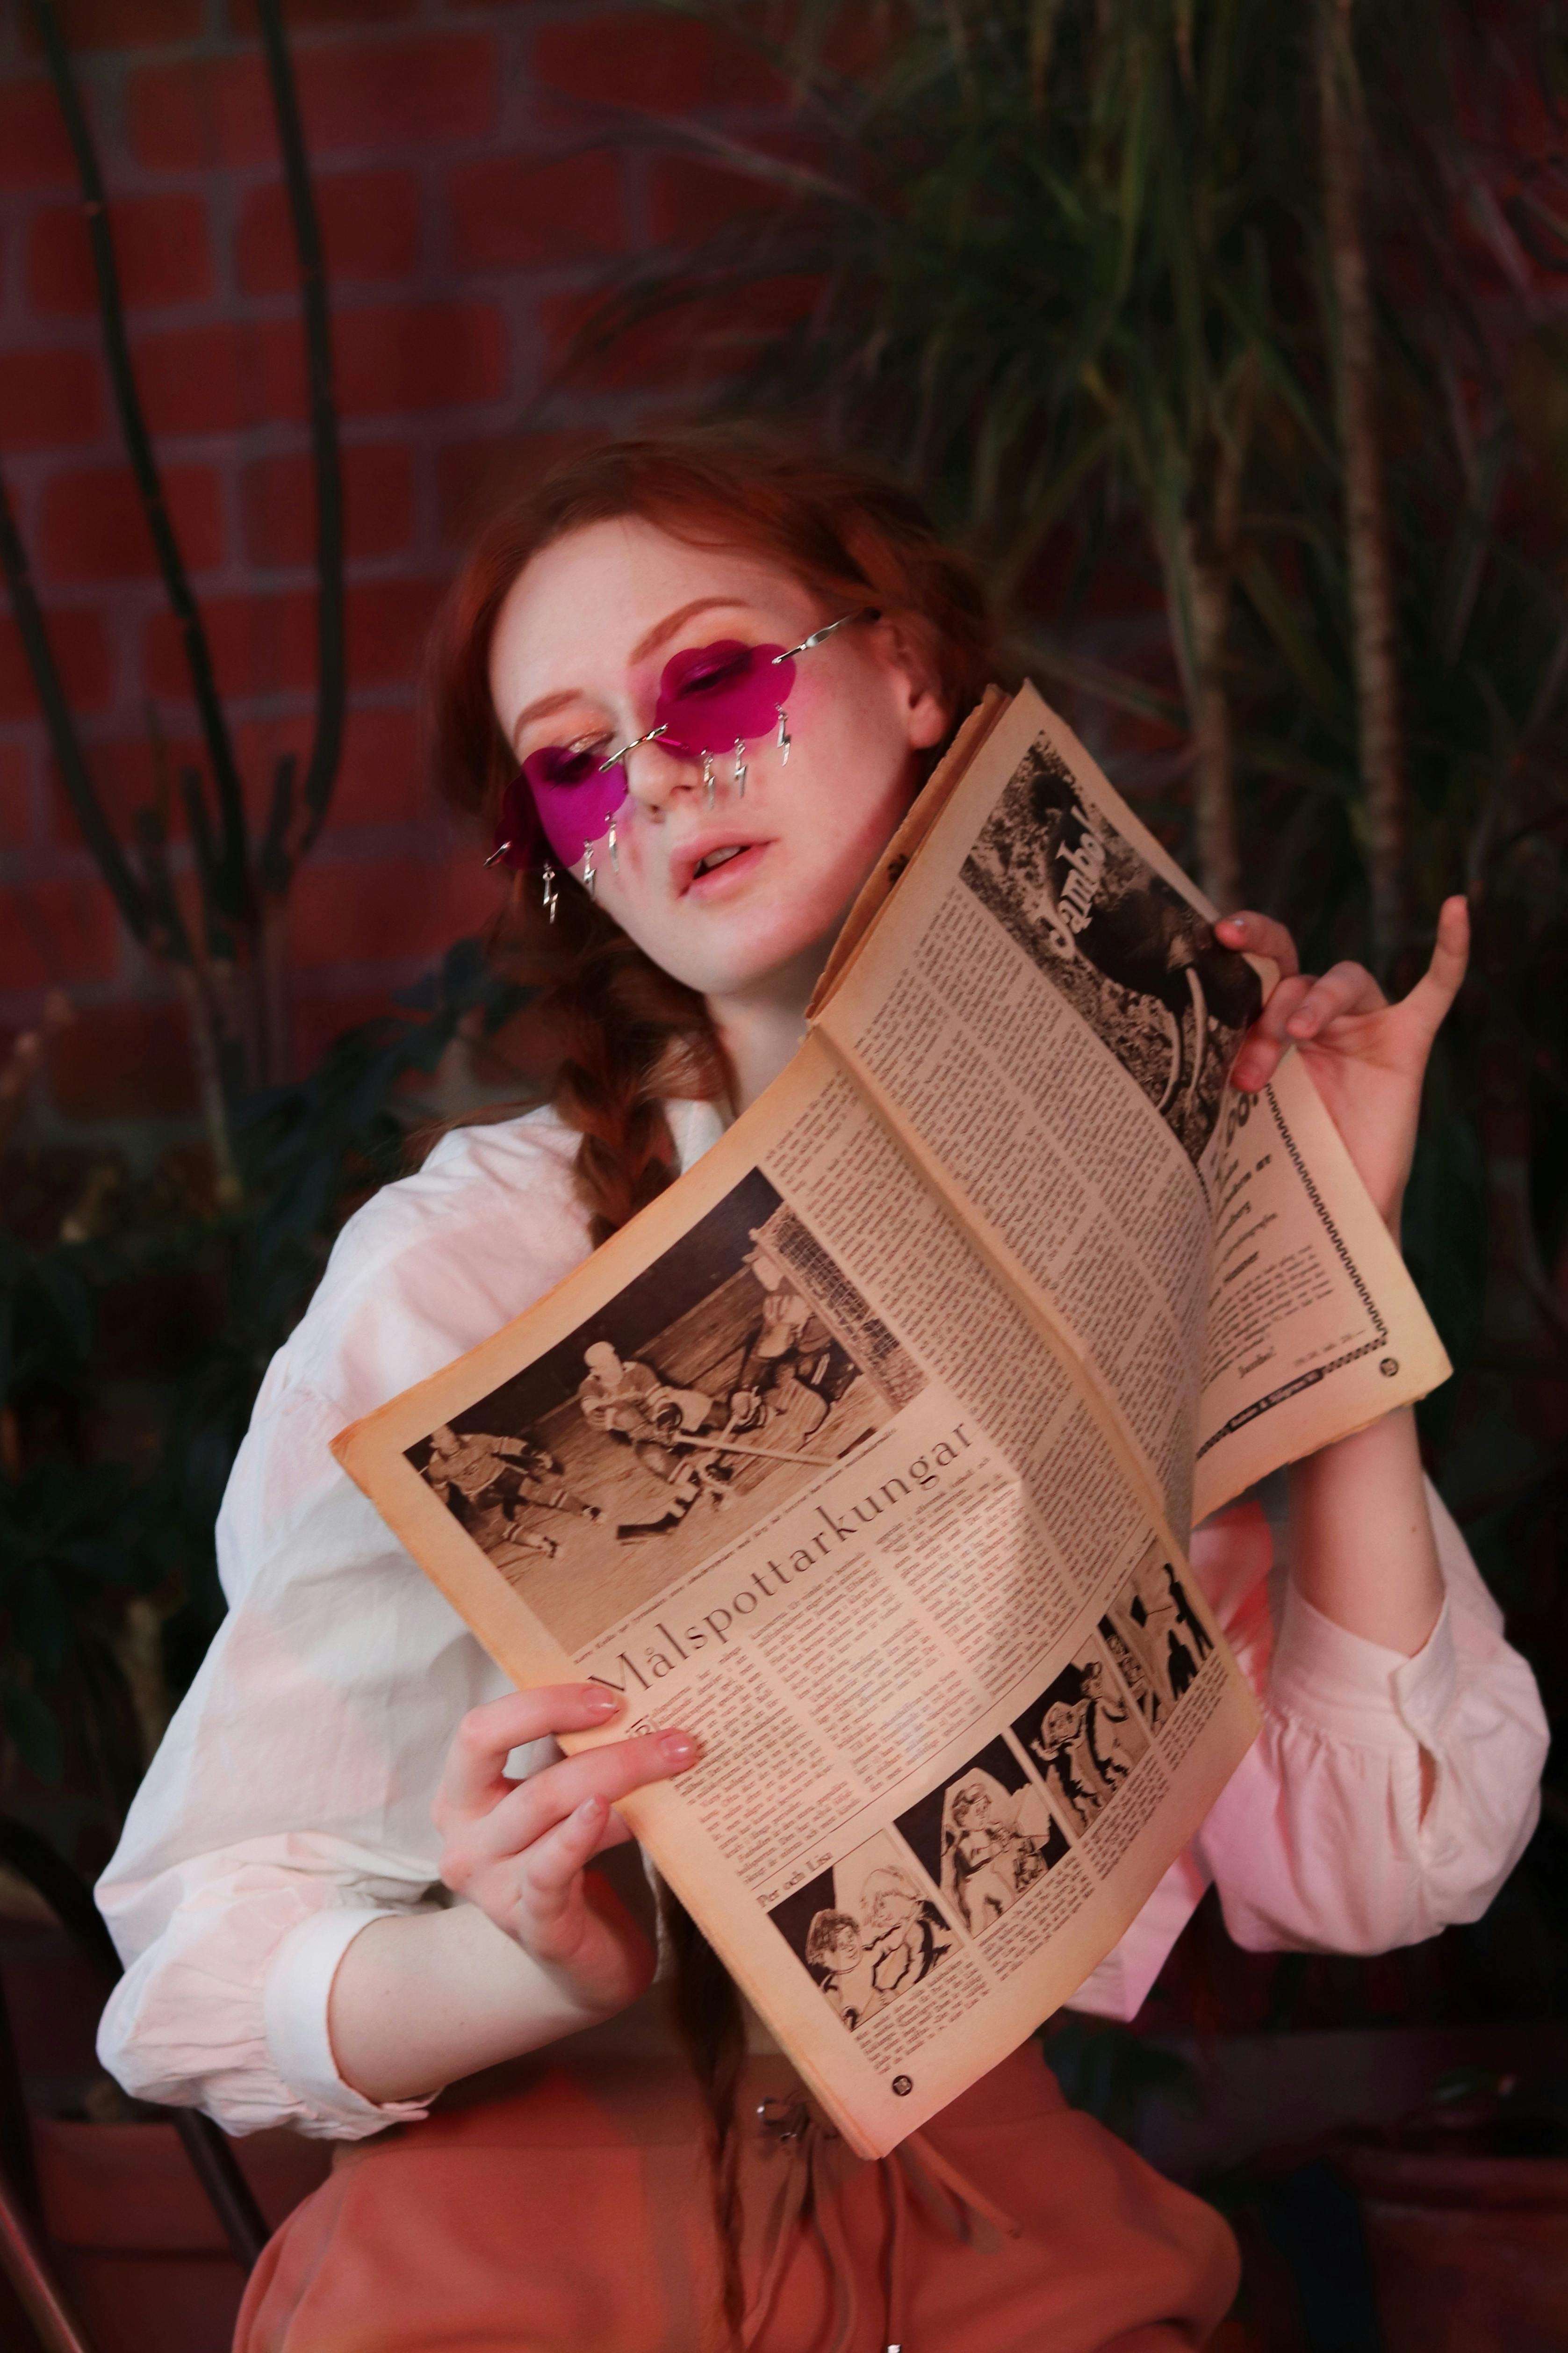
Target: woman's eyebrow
(645, 645)
(673, 621)
(541, 710)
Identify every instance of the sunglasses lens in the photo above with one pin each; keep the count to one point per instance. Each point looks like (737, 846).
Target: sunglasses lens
(712, 697)
(557, 765)
(574, 794)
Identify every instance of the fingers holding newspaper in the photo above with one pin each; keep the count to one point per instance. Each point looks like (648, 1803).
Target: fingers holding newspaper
(1367, 1057)
(519, 1850)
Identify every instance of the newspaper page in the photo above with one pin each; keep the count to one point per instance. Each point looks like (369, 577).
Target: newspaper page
(791, 1463)
(1043, 1013)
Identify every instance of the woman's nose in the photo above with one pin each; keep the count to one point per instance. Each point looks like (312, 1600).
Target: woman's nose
(657, 777)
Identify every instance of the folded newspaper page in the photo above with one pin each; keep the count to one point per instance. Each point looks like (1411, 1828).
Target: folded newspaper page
(1043, 1013)
(866, 1452)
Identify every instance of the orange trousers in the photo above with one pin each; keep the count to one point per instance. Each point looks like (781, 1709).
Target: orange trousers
(572, 2216)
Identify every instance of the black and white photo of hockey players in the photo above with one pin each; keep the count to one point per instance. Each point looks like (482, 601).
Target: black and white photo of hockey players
(985, 1836)
(867, 1930)
(1142, 967)
(502, 1490)
(1083, 1736)
(1156, 1637)
(733, 1372)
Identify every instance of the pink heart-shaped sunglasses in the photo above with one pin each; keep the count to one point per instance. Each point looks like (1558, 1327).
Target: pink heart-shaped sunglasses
(712, 699)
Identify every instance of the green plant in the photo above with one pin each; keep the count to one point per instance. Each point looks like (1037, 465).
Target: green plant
(1215, 332)
(113, 1457)
(225, 950)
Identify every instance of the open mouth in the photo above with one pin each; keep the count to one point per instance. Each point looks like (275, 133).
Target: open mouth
(731, 859)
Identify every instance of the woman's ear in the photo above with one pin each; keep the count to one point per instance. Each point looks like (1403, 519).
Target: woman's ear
(925, 710)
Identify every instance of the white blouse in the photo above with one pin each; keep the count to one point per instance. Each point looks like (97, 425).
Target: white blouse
(290, 1803)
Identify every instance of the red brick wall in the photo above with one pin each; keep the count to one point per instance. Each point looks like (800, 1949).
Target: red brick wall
(465, 213)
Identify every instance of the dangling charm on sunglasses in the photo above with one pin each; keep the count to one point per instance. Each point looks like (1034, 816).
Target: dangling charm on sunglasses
(550, 895)
(615, 853)
(739, 767)
(784, 738)
(588, 874)
(710, 781)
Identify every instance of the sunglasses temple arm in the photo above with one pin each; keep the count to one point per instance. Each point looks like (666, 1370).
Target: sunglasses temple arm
(866, 613)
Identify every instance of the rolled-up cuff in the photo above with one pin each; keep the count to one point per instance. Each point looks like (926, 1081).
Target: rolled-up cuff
(1357, 1691)
(294, 2011)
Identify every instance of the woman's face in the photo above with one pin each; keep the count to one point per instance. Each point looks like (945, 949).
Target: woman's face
(579, 649)
(846, 1948)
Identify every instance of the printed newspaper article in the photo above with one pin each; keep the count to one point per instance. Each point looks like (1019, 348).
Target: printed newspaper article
(867, 1452)
(1042, 1010)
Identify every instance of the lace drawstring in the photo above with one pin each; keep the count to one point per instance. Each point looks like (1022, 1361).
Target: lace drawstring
(916, 2155)
(790, 2126)
(806, 2194)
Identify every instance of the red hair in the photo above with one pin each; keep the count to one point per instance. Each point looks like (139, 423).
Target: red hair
(631, 1036)
(846, 535)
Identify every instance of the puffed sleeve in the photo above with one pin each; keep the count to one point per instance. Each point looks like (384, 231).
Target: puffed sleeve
(290, 1803)
(1385, 1798)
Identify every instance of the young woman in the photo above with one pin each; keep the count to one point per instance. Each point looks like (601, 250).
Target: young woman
(355, 1896)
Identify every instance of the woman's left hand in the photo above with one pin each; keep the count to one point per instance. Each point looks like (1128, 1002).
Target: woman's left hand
(1367, 1057)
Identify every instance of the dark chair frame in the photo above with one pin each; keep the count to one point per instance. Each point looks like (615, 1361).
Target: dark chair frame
(22, 2242)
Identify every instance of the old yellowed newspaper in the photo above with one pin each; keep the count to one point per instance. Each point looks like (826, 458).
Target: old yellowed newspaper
(789, 1463)
(1042, 1011)
(867, 1452)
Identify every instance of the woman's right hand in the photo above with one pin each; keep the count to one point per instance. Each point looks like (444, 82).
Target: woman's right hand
(519, 1850)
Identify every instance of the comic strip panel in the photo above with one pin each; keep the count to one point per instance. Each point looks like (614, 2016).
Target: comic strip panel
(1156, 1638)
(730, 1373)
(1083, 1736)
(867, 1930)
(1142, 967)
(985, 1836)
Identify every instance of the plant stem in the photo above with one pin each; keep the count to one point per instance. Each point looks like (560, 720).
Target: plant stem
(64, 742)
(1355, 358)
(228, 1190)
(273, 991)
(1213, 785)
(1212, 573)
(321, 768)
(234, 865)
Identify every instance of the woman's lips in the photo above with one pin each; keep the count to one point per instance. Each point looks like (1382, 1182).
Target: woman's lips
(730, 874)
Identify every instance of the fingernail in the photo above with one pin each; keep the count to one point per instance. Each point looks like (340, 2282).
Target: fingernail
(676, 1748)
(588, 1809)
(1236, 923)
(602, 1703)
